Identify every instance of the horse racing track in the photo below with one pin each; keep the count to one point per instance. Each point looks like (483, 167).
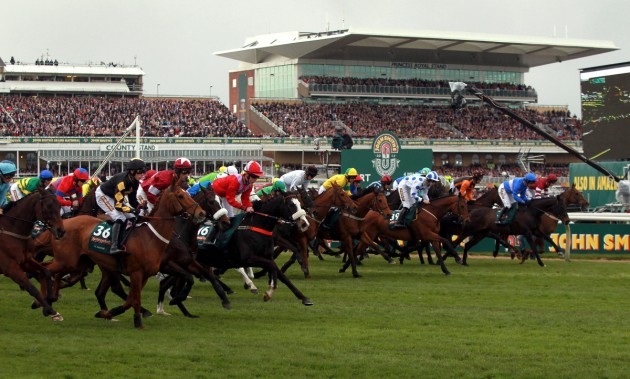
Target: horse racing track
(495, 318)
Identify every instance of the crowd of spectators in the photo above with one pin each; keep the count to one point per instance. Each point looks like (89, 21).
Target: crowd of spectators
(409, 83)
(513, 170)
(413, 121)
(39, 116)
(99, 116)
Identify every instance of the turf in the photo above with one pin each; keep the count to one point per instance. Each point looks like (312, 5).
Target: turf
(493, 319)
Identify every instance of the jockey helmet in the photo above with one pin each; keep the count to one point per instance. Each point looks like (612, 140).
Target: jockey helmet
(311, 171)
(45, 175)
(149, 174)
(7, 168)
(81, 174)
(552, 178)
(358, 178)
(424, 171)
(253, 168)
(182, 163)
(136, 164)
(279, 186)
(386, 179)
(351, 172)
(505, 174)
(530, 177)
(477, 174)
(231, 170)
(222, 169)
(433, 176)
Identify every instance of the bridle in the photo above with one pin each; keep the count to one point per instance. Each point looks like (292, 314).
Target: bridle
(45, 222)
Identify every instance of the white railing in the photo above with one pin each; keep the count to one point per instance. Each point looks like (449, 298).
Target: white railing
(606, 217)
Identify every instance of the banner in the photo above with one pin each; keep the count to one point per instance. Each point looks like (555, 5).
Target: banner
(597, 189)
(386, 157)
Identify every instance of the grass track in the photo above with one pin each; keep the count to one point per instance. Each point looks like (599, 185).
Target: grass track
(494, 319)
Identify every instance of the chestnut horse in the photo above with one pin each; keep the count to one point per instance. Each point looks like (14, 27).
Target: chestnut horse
(425, 227)
(349, 226)
(147, 245)
(16, 244)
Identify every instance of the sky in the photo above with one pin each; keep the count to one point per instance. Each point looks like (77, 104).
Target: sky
(174, 41)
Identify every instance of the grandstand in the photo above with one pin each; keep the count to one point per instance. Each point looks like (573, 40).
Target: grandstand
(299, 84)
(289, 91)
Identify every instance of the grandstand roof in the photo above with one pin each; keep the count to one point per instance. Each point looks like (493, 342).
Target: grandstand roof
(61, 87)
(64, 69)
(416, 46)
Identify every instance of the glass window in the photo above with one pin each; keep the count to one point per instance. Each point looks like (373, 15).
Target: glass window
(458, 160)
(474, 159)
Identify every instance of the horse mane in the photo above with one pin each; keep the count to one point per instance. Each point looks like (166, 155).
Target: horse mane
(364, 192)
(437, 191)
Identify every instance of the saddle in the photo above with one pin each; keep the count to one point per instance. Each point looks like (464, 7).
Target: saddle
(219, 240)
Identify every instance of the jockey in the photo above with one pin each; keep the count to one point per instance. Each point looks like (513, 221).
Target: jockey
(383, 184)
(271, 191)
(7, 170)
(464, 187)
(342, 180)
(298, 180)
(148, 175)
(513, 192)
(26, 186)
(213, 175)
(355, 186)
(542, 186)
(150, 189)
(117, 198)
(228, 187)
(414, 189)
(69, 190)
(205, 183)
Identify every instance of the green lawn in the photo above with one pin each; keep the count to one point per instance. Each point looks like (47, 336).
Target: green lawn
(493, 319)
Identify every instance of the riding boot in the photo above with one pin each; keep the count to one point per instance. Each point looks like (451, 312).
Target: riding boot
(512, 213)
(115, 248)
(501, 219)
(401, 218)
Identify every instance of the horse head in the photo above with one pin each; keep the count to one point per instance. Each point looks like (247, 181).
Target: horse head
(373, 199)
(298, 214)
(552, 205)
(174, 201)
(206, 198)
(572, 196)
(49, 211)
(341, 199)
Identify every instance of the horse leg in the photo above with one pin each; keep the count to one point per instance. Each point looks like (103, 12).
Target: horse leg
(249, 285)
(30, 264)
(165, 285)
(15, 272)
(438, 254)
(348, 248)
(115, 284)
(530, 240)
(197, 269)
(313, 245)
(273, 268)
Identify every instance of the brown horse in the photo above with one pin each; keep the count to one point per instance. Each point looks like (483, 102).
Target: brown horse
(147, 245)
(16, 245)
(336, 197)
(425, 227)
(574, 199)
(349, 226)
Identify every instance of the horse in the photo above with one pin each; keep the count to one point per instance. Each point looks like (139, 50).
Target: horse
(252, 244)
(349, 225)
(16, 244)
(574, 199)
(526, 222)
(147, 245)
(425, 226)
(334, 197)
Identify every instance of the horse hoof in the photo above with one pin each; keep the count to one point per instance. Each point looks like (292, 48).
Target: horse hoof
(306, 301)
(254, 291)
(356, 275)
(391, 262)
(162, 313)
(447, 274)
(146, 313)
(191, 316)
(227, 306)
(266, 297)
(102, 314)
(230, 292)
(57, 317)
(465, 264)
(35, 305)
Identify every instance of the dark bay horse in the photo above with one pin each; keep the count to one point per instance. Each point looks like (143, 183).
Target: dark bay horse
(180, 263)
(252, 244)
(425, 227)
(147, 245)
(574, 199)
(16, 244)
(526, 222)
